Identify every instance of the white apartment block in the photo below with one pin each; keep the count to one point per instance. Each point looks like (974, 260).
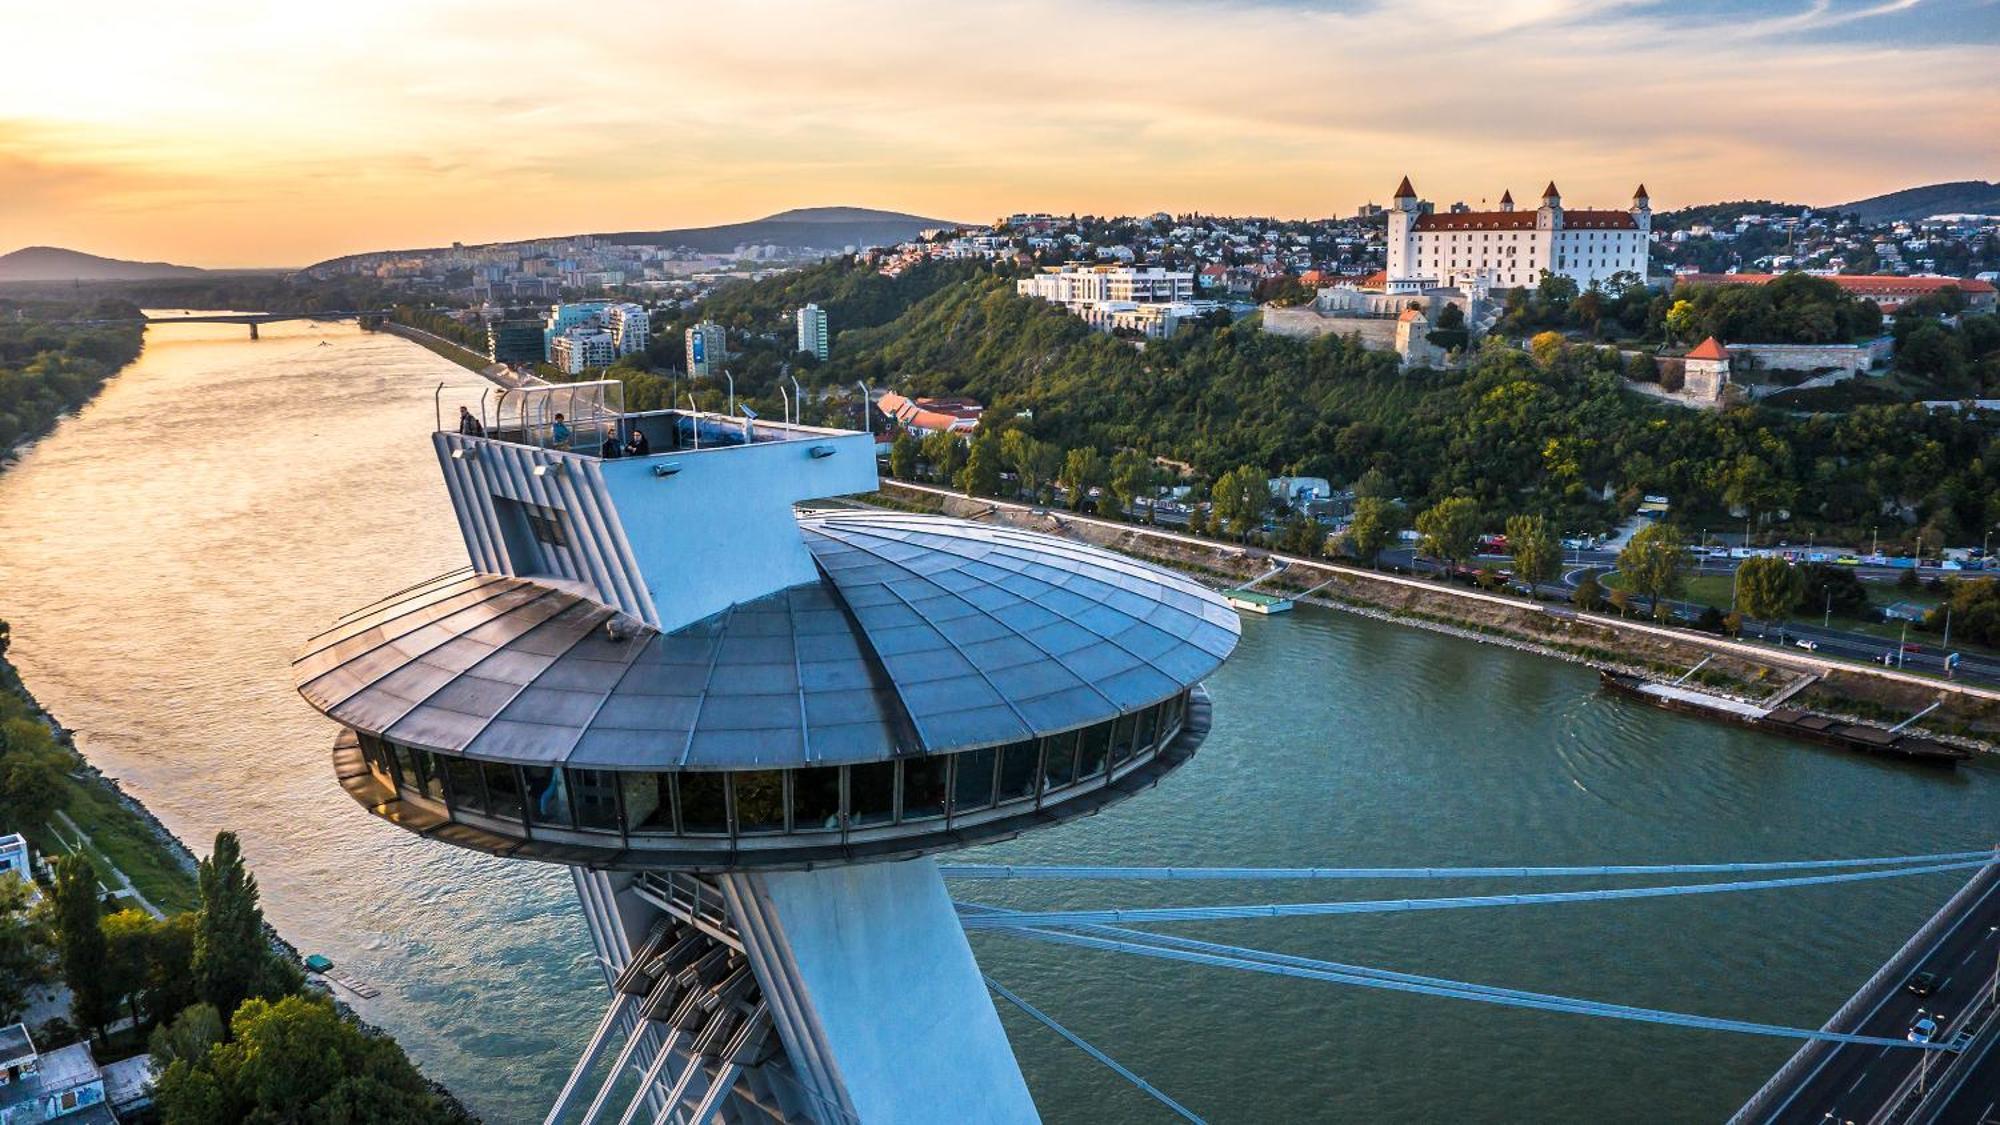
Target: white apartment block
(1506, 248)
(813, 331)
(581, 348)
(562, 318)
(628, 325)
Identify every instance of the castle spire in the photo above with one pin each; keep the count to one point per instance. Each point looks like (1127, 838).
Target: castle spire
(1550, 192)
(1404, 190)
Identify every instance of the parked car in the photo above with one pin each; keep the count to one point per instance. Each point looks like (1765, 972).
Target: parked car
(1921, 984)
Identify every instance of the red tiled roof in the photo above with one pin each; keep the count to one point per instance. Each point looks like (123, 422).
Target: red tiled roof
(1478, 220)
(1525, 220)
(1551, 191)
(931, 413)
(1375, 280)
(1404, 190)
(1710, 348)
(1860, 284)
(1410, 314)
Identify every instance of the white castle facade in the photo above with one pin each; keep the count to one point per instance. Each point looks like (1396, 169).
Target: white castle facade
(1480, 250)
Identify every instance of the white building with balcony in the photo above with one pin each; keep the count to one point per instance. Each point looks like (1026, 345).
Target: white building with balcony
(813, 332)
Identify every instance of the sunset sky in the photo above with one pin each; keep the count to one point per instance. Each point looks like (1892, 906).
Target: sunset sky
(219, 133)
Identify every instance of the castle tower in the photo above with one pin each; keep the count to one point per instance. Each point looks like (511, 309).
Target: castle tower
(746, 731)
(1507, 202)
(1402, 240)
(1642, 211)
(1549, 215)
(1705, 372)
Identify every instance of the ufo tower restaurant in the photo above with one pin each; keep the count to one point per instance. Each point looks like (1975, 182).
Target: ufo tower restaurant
(746, 729)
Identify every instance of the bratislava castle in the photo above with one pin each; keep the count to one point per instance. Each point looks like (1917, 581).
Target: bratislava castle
(1505, 248)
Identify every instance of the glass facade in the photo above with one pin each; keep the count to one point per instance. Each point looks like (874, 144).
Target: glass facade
(973, 785)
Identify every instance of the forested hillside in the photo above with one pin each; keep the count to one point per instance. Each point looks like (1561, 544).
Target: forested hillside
(1548, 430)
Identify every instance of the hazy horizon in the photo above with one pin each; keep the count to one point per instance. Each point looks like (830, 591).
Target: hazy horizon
(226, 134)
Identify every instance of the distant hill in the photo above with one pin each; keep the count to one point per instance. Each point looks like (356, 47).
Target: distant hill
(53, 263)
(829, 229)
(1960, 197)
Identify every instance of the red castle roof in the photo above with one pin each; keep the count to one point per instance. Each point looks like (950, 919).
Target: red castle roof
(1710, 348)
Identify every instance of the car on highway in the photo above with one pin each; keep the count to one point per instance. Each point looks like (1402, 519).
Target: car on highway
(1808, 644)
(1913, 648)
(1923, 1030)
(1921, 984)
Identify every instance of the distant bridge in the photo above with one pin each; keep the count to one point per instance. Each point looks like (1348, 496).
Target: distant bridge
(252, 319)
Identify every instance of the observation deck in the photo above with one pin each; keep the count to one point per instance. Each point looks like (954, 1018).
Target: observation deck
(655, 661)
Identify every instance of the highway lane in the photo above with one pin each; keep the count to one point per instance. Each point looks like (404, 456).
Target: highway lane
(1926, 654)
(1851, 1081)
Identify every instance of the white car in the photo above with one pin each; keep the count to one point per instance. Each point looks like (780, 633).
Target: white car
(1923, 1030)
(1808, 644)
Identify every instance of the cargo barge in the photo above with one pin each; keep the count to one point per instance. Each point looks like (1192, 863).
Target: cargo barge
(1790, 722)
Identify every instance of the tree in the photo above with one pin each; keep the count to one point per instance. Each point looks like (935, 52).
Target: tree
(230, 950)
(293, 1060)
(1083, 470)
(188, 1037)
(1621, 600)
(1681, 321)
(77, 910)
(981, 474)
(1547, 348)
(1654, 563)
(903, 457)
(944, 452)
(24, 950)
(1449, 529)
(1131, 478)
(1375, 521)
(1833, 589)
(1766, 587)
(1537, 555)
(31, 783)
(1588, 595)
(1240, 497)
(1450, 333)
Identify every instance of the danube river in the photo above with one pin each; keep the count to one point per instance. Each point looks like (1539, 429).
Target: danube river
(168, 549)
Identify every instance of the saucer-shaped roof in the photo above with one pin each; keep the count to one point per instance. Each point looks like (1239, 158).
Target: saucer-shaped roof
(924, 635)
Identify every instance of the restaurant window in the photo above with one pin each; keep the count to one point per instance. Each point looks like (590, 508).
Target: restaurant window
(548, 796)
(503, 790)
(595, 793)
(1019, 768)
(816, 799)
(871, 794)
(647, 807)
(405, 772)
(1121, 741)
(431, 767)
(704, 804)
(1058, 760)
(468, 790)
(377, 757)
(1092, 745)
(972, 781)
(760, 800)
(1148, 726)
(924, 788)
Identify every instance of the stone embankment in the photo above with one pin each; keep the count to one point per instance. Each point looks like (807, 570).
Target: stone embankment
(1968, 715)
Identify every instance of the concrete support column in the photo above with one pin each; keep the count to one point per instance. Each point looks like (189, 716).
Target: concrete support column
(876, 995)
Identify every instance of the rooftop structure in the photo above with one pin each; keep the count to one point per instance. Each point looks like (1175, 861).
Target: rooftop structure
(724, 716)
(930, 415)
(60, 1085)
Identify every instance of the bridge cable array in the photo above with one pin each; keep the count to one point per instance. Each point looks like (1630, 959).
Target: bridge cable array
(1115, 1066)
(1070, 919)
(1008, 871)
(1188, 950)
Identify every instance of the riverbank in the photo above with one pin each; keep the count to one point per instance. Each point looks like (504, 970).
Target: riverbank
(1967, 716)
(78, 809)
